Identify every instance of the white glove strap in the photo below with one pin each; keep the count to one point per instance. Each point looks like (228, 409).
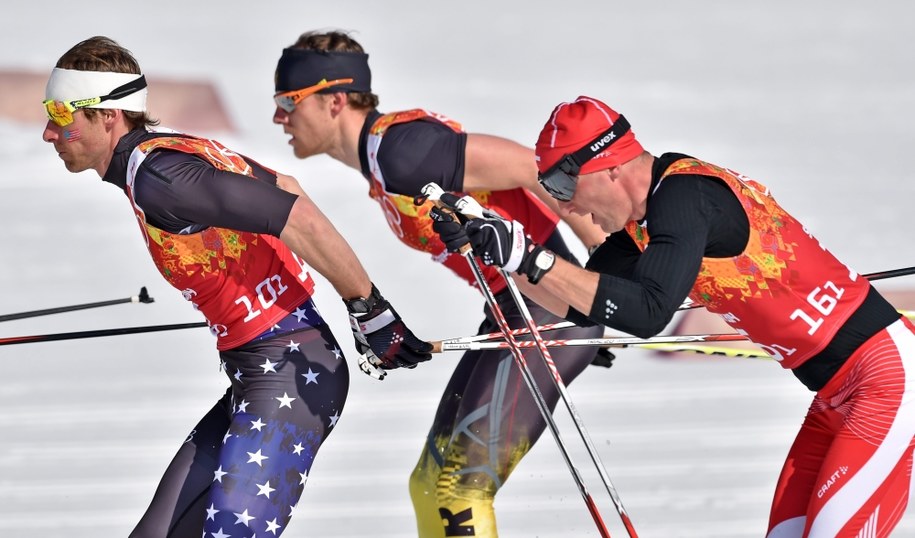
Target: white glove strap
(374, 324)
(516, 254)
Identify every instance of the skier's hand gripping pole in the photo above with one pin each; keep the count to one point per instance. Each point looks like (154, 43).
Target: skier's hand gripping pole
(383, 340)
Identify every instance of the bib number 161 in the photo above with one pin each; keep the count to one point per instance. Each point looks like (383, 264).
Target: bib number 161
(822, 300)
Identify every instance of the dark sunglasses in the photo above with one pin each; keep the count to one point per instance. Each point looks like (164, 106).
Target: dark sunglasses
(561, 179)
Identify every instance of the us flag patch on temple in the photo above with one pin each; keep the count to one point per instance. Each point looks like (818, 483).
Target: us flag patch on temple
(71, 134)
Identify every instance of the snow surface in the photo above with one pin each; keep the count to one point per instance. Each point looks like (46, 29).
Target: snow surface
(814, 99)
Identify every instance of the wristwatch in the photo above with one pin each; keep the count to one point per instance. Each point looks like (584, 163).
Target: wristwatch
(543, 262)
(363, 305)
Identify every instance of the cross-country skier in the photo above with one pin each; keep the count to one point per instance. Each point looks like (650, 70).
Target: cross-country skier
(238, 248)
(683, 227)
(486, 420)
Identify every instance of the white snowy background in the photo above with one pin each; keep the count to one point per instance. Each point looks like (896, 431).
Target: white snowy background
(814, 99)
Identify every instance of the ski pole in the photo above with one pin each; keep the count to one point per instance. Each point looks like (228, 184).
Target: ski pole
(879, 275)
(687, 306)
(892, 273)
(143, 297)
(624, 341)
(471, 209)
(685, 343)
(570, 407)
(563, 325)
(95, 334)
(535, 391)
(430, 192)
(720, 350)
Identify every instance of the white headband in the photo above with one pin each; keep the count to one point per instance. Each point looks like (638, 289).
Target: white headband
(71, 85)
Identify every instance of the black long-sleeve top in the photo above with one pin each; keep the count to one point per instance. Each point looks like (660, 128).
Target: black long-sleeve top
(694, 217)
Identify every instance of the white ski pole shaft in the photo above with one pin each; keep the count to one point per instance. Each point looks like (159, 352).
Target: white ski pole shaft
(625, 341)
(526, 374)
(535, 390)
(564, 394)
(565, 325)
(472, 209)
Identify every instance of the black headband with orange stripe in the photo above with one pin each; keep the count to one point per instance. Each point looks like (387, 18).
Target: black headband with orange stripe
(302, 68)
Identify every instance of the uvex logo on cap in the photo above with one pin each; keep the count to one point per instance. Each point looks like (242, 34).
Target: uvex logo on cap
(594, 133)
(608, 138)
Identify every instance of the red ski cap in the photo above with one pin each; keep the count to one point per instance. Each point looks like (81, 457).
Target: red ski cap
(573, 125)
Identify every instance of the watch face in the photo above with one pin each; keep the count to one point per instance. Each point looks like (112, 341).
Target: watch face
(358, 306)
(545, 260)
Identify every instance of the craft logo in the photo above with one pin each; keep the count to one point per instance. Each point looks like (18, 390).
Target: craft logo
(831, 481)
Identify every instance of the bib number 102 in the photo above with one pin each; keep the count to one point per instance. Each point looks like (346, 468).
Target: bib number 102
(823, 300)
(266, 295)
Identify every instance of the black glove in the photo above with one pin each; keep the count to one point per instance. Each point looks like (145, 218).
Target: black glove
(382, 339)
(604, 357)
(449, 229)
(503, 243)
(497, 241)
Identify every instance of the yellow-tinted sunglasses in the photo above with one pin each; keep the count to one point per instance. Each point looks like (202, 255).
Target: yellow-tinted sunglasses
(288, 100)
(61, 112)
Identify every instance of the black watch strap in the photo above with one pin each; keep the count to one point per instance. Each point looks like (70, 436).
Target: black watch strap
(543, 261)
(363, 305)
